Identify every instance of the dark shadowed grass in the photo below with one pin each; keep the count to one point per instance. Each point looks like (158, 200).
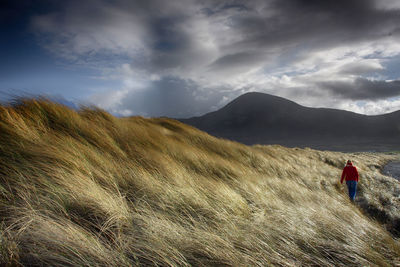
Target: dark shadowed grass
(88, 189)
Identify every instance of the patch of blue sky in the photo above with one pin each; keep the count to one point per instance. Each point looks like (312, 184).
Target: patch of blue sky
(28, 69)
(360, 103)
(75, 83)
(392, 68)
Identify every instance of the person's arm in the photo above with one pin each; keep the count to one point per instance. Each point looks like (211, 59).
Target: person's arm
(343, 175)
(356, 173)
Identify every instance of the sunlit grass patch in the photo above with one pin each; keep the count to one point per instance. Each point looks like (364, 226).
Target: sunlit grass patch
(84, 188)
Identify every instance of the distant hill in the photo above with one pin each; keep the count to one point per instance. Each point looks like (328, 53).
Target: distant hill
(257, 118)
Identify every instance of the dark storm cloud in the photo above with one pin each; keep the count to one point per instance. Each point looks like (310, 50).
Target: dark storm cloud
(238, 60)
(272, 27)
(363, 89)
(168, 43)
(174, 98)
(213, 44)
(166, 40)
(310, 25)
(152, 33)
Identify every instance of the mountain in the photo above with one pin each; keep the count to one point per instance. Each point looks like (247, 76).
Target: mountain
(257, 118)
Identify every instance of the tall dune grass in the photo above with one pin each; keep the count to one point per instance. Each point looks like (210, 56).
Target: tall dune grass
(88, 189)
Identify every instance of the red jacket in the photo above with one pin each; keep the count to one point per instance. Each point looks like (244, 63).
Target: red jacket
(350, 172)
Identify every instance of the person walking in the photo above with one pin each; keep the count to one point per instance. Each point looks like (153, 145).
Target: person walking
(351, 174)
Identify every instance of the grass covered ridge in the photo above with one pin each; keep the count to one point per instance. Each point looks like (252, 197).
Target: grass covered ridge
(88, 189)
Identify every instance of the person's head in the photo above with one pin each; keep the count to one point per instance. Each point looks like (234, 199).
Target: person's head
(349, 162)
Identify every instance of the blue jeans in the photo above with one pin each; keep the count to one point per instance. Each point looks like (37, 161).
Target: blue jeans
(352, 186)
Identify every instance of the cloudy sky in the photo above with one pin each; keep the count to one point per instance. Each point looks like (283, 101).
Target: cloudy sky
(182, 58)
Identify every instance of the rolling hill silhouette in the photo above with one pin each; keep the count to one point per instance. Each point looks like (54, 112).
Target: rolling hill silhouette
(258, 118)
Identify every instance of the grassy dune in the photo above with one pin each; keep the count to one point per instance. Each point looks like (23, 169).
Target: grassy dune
(88, 189)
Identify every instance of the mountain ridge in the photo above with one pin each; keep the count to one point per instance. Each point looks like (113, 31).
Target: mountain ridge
(258, 118)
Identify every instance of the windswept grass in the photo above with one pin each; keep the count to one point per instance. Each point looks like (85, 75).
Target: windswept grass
(88, 189)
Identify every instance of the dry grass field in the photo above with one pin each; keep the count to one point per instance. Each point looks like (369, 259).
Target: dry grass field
(89, 189)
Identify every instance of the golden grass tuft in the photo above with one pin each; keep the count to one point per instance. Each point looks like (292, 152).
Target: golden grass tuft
(88, 189)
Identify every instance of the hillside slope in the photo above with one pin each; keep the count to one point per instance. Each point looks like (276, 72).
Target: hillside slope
(257, 118)
(88, 189)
